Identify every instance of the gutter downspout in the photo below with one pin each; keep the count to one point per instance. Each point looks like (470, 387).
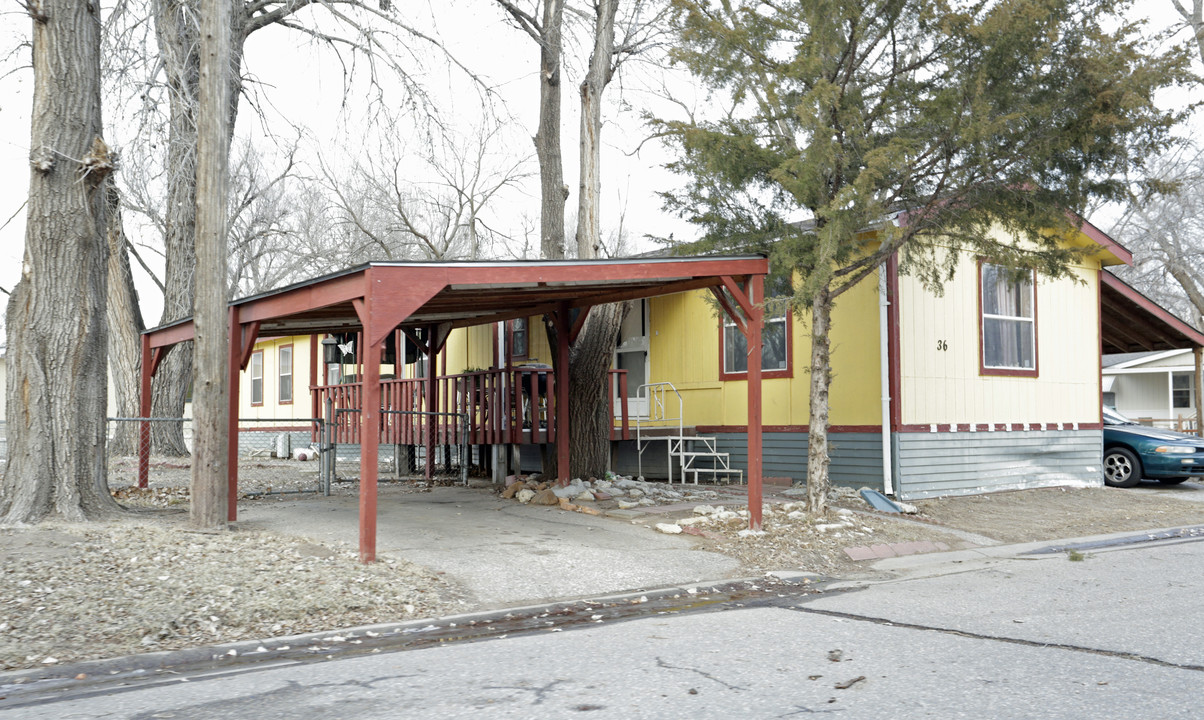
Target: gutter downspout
(884, 380)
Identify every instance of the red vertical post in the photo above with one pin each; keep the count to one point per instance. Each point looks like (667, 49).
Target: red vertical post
(756, 287)
(623, 406)
(234, 370)
(369, 436)
(315, 402)
(431, 399)
(144, 409)
(562, 392)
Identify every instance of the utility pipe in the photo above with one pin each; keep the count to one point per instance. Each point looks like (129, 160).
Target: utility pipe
(884, 379)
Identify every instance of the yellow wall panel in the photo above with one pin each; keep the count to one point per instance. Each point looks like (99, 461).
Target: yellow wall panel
(685, 350)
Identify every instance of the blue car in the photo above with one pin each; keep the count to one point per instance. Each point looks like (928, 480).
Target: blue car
(1133, 452)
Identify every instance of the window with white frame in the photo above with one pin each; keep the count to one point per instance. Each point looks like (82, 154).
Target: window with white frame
(1009, 320)
(257, 377)
(285, 379)
(775, 333)
(1181, 391)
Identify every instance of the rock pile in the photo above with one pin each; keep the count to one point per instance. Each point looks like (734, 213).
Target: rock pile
(774, 517)
(580, 495)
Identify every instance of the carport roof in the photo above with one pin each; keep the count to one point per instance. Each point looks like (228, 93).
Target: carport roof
(1131, 322)
(460, 294)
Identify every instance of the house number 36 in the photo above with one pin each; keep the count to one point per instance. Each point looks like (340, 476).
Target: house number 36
(942, 345)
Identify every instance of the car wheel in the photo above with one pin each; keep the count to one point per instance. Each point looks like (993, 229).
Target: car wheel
(1172, 481)
(1121, 468)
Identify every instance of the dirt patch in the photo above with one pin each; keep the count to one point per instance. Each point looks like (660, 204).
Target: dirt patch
(1056, 513)
(73, 592)
(793, 540)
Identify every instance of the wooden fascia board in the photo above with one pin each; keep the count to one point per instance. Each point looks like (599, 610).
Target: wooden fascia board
(171, 335)
(1099, 237)
(303, 299)
(658, 271)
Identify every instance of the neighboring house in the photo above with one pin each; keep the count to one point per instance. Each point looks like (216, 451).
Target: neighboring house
(1153, 387)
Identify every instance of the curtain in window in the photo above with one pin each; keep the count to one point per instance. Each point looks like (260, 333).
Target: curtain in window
(1007, 320)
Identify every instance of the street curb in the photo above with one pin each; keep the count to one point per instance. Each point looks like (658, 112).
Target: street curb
(79, 675)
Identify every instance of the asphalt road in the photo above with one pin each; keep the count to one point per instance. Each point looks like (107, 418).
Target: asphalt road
(1116, 634)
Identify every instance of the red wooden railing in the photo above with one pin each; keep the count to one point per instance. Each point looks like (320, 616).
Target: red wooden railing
(621, 430)
(517, 405)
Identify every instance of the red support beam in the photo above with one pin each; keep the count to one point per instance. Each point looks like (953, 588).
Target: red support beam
(431, 400)
(579, 323)
(233, 368)
(561, 318)
(756, 287)
(369, 436)
(736, 317)
(247, 335)
(144, 409)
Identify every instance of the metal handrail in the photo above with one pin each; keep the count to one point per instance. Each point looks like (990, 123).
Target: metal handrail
(656, 413)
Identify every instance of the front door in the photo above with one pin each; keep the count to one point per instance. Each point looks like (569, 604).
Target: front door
(632, 356)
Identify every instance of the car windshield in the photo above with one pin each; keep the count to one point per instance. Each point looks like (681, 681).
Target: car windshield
(1112, 417)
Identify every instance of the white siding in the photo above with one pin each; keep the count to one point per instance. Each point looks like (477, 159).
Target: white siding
(939, 354)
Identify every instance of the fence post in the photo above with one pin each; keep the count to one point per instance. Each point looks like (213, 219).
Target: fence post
(326, 449)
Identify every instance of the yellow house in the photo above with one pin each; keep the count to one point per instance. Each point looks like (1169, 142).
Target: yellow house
(992, 384)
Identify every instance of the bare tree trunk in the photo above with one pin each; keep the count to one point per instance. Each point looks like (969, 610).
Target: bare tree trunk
(589, 409)
(589, 224)
(209, 477)
(553, 192)
(593, 351)
(56, 337)
(125, 326)
(821, 380)
(179, 47)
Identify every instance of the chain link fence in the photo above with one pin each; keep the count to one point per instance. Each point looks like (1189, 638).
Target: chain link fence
(450, 460)
(274, 454)
(282, 455)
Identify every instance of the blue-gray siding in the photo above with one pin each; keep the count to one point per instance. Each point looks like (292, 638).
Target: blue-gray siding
(856, 457)
(965, 463)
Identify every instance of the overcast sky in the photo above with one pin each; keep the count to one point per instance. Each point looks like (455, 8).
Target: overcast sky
(306, 86)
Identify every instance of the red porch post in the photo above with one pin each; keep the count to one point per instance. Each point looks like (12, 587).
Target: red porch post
(233, 370)
(369, 437)
(144, 409)
(432, 359)
(561, 318)
(756, 287)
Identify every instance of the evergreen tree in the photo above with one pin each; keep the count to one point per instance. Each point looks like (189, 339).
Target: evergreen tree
(845, 132)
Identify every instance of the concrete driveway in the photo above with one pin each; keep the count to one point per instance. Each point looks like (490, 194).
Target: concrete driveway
(499, 551)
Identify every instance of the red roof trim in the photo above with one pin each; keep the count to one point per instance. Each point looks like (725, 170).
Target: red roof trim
(1102, 239)
(1151, 307)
